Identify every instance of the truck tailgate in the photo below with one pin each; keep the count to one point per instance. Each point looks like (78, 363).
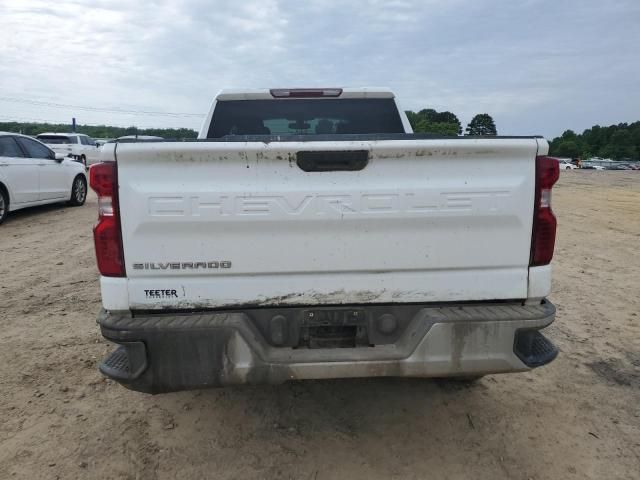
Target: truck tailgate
(220, 224)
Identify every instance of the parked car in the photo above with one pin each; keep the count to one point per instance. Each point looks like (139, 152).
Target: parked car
(33, 174)
(311, 234)
(567, 166)
(592, 167)
(81, 147)
(619, 167)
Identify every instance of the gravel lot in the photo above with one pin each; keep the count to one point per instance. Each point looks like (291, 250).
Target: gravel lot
(577, 418)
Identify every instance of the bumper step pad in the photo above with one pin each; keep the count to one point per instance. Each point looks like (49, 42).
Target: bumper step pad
(125, 363)
(116, 365)
(534, 349)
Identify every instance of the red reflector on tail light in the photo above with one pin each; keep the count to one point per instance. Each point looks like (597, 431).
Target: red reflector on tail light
(305, 92)
(544, 238)
(107, 236)
(544, 221)
(547, 172)
(101, 178)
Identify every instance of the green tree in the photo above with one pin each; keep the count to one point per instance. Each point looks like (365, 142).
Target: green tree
(620, 146)
(482, 125)
(621, 141)
(568, 148)
(430, 121)
(441, 128)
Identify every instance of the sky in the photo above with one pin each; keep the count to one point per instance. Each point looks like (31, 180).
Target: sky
(537, 66)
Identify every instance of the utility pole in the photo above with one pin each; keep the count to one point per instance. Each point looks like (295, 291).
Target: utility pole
(73, 124)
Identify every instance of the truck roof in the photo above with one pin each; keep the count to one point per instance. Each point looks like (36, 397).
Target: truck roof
(267, 94)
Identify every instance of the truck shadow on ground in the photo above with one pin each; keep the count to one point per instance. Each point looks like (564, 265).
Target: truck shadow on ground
(347, 407)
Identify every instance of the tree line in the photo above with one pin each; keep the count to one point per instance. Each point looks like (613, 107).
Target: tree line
(618, 142)
(97, 131)
(429, 120)
(424, 121)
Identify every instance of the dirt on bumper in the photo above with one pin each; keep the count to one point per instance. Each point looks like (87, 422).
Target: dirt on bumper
(181, 351)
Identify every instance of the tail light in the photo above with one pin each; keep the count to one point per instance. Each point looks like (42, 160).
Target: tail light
(544, 221)
(107, 235)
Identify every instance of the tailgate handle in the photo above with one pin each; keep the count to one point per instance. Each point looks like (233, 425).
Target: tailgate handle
(341, 161)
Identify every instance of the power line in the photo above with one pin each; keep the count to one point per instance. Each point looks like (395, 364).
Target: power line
(19, 119)
(98, 109)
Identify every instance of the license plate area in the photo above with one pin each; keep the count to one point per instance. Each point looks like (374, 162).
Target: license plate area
(334, 328)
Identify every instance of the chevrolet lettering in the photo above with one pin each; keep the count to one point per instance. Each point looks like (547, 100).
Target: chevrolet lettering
(458, 202)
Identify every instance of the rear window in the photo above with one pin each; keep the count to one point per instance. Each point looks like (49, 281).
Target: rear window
(305, 117)
(53, 139)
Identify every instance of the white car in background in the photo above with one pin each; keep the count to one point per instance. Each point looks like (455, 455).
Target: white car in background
(79, 146)
(567, 166)
(32, 174)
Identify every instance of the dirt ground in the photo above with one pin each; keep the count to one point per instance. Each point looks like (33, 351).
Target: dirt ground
(576, 418)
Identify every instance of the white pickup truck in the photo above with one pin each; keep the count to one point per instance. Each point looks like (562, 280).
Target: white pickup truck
(308, 233)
